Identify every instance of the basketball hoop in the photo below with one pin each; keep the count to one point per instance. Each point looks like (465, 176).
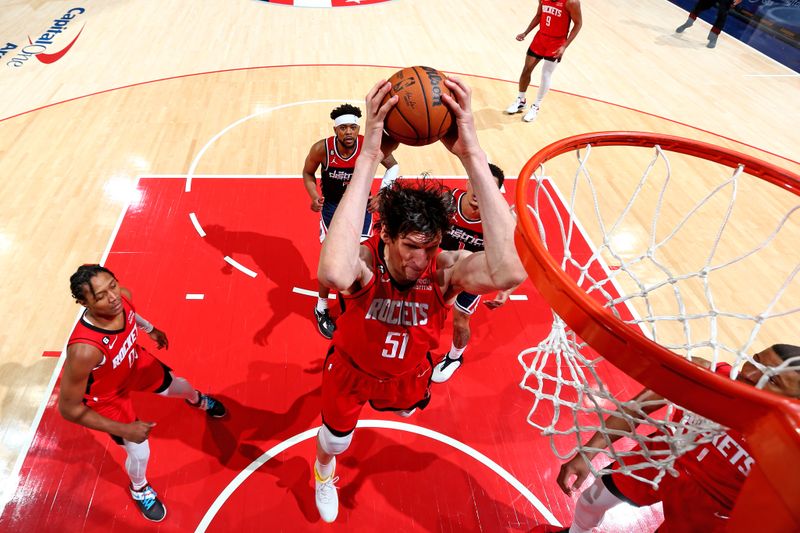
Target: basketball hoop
(647, 311)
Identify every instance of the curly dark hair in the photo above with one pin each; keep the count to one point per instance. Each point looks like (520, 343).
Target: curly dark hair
(424, 205)
(82, 277)
(345, 109)
(786, 352)
(498, 174)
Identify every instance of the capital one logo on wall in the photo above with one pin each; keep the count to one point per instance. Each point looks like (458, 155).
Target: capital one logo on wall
(325, 3)
(51, 45)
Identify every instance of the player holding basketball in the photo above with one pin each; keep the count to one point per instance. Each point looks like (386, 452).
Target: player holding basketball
(337, 155)
(465, 233)
(710, 477)
(723, 6)
(398, 287)
(554, 36)
(105, 363)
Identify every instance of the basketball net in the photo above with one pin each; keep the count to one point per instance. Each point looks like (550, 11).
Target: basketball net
(677, 304)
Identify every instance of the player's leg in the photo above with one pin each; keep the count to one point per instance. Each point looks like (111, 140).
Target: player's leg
(325, 324)
(548, 67)
(524, 81)
(181, 388)
(142, 493)
(699, 7)
(722, 14)
(342, 401)
(592, 506)
(154, 376)
(465, 305)
(120, 409)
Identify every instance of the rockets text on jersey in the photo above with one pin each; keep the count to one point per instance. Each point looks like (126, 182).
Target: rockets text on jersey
(386, 329)
(555, 19)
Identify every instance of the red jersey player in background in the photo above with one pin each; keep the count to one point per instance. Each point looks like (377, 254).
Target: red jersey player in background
(554, 36)
(398, 287)
(465, 233)
(105, 363)
(710, 477)
(337, 155)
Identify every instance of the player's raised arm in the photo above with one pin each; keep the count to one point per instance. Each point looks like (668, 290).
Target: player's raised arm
(498, 267)
(339, 263)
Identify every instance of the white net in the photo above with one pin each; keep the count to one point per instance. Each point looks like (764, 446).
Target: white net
(705, 264)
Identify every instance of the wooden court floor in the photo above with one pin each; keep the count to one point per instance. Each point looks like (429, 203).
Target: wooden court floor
(147, 86)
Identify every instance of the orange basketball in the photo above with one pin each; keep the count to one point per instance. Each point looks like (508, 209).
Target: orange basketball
(420, 116)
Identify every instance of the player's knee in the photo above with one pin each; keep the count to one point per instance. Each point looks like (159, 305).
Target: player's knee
(333, 444)
(461, 320)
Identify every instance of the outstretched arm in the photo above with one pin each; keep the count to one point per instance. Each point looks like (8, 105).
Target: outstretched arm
(498, 267)
(341, 263)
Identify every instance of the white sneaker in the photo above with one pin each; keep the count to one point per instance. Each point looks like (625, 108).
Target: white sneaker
(406, 413)
(327, 497)
(445, 370)
(530, 116)
(517, 106)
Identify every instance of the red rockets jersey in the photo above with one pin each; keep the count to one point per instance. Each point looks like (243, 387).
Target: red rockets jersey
(119, 349)
(555, 19)
(464, 234)
(720, 466)
(337, 171)
(386, 330)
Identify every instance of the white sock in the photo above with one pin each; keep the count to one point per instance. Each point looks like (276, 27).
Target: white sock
(521, 96)
(592, 506)
(136, 463)
(180, 388)
(325, 471)
(322, 305)
(548, 68)
(454, 352)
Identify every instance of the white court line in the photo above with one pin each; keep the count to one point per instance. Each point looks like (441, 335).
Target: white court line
(772, 75)
(307, 292)
(196, 224)
(9, 487)
(235, 264)
(379, 424)
(225, 130)
(195, 296)
(518, 297)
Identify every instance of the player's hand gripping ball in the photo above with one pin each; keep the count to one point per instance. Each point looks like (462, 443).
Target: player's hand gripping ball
(420, 116)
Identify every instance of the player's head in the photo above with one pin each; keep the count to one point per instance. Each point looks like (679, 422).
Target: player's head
(414, 216)
(96, 288)
(345, 124)
(786, 382)
(472, 199)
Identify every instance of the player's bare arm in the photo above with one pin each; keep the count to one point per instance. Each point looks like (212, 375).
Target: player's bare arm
(534, 22)
(81, 359)
(498, 267)
(574, 8)
(315, 157)
(342, 263)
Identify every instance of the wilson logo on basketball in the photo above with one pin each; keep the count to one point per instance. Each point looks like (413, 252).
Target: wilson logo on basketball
(42, 47)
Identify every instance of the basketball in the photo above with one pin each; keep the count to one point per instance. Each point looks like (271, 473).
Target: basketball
(420, 116)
